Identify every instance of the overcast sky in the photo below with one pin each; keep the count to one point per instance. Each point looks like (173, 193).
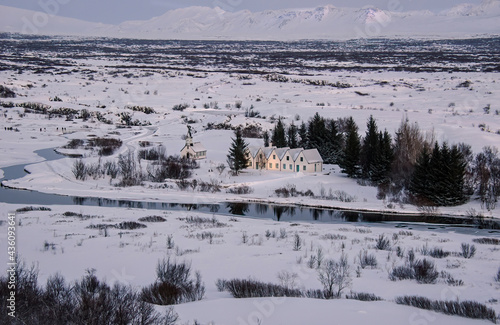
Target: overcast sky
(117, 11)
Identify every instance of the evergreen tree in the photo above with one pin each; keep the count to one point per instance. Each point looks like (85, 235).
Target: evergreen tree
(266, 139)
(237, 158)
(279, 138)
(421, 185)
(333, 144)
(316, 132)
(350, 155)
(440, 179)
(293, 142)
(381, 166)
(369, 150)
(303, 136)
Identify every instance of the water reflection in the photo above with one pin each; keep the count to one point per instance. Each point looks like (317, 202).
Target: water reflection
(239, 209)
(254, 210)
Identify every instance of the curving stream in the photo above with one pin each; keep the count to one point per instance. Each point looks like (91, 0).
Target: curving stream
(254, 210)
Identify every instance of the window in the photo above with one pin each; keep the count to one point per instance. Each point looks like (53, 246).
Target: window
(291, 167)
(304, 168)
(277, 166)
(287, 158)
(284, 166)
(301, 159)
(270, 165)
(274, 156)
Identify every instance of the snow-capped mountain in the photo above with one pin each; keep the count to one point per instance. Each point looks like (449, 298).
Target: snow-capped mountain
(14, 20)
(325, 22)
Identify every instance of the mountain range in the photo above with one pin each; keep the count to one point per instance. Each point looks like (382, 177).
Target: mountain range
(325, 22)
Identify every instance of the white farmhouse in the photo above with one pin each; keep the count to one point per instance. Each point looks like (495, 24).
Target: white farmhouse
(193, 150)
(285, 159)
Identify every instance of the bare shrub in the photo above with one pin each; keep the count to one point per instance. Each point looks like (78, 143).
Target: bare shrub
(204, 222)
(367, 260)
(335, 276)
(487, 241)
(383, 243)
(450, 280)
(362, 296)
(425, 271)
(252, 289)
(297, 242)
(243, 189)
(435, 252)
(32, 208)
(130, 225)
(402, 273)
(152, 219)
(288, 279)
(469, 309)
(79, 170)
(468, 250)
(174, 284)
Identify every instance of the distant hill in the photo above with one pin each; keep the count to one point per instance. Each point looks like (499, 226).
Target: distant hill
(325, 22)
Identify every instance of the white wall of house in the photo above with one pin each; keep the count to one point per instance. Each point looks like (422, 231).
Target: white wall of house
(273, 161)
(286, 163)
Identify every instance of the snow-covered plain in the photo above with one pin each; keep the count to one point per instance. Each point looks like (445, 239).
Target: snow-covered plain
(432, 99)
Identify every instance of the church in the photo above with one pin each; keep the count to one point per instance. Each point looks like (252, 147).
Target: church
(193, 150)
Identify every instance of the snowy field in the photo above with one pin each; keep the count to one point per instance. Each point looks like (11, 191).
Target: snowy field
(243, 247)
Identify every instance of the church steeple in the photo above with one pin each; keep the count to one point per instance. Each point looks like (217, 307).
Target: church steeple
(189, 138)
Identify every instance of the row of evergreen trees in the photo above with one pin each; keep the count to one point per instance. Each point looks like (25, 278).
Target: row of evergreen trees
(338, 142)
(406, 166)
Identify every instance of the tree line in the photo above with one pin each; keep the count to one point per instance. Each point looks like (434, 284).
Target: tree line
(409, 166)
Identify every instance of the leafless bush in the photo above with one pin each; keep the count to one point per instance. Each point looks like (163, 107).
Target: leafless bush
(424, 271)
(130, 225)
(488, 241)
(450, 280)
(79, 170)
(202, 222)
(468, 250)
(243, 189)
(362, 296)
(174, 284)
(32, 208)
(335, 277)
(383, 243)
(297, 242)
(367, 260)
(252, 289)
(152, 219)
(469, 309)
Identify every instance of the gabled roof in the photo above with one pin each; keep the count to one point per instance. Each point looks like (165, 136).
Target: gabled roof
(294, 153)
(312, 156)
(196, 147)
(253, 151)
(281, 152)
(268, 151)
